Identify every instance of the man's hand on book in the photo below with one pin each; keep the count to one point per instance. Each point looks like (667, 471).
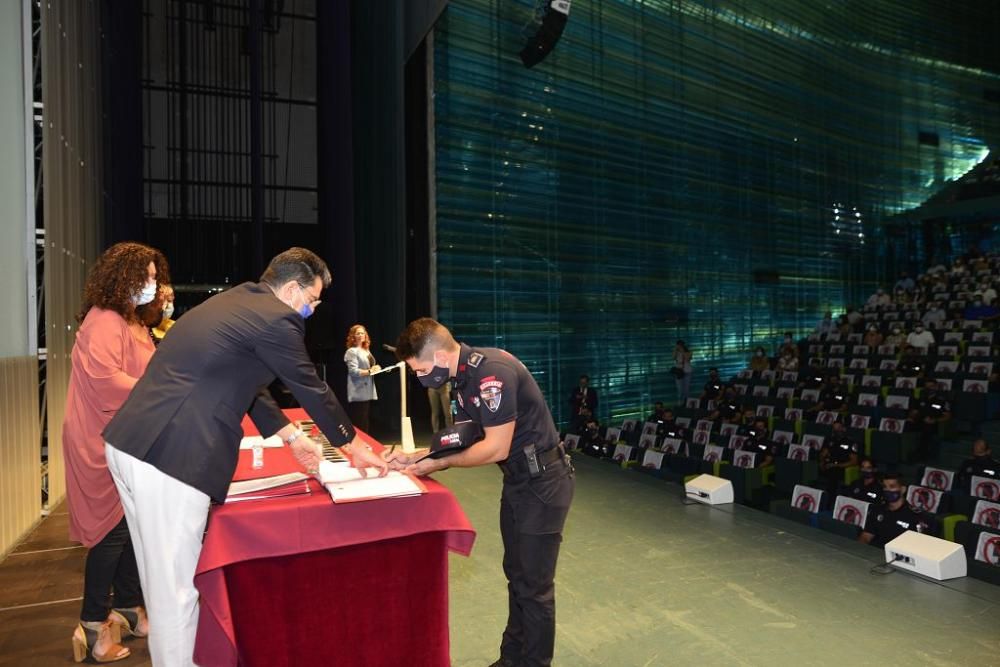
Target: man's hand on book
(362, 458)
(307, 452)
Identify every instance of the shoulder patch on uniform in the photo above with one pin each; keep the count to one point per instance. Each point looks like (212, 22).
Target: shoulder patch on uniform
(475, 359)
(491, 391)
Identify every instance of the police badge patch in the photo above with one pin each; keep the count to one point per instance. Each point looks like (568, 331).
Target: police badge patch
(490, 390)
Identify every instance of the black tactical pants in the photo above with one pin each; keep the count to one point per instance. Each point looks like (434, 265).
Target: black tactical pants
(532, 515)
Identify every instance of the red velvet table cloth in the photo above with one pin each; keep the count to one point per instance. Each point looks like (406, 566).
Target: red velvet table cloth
(275, 590)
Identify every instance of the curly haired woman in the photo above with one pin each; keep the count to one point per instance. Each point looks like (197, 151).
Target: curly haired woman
(111, 352)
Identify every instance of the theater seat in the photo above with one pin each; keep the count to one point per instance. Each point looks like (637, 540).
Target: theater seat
(831, 525)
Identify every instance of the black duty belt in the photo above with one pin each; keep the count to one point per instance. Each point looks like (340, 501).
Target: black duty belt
(516, 465)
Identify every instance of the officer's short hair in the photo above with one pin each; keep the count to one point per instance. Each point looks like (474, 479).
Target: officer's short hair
(894, 476)
(423, 335)
(298, 264)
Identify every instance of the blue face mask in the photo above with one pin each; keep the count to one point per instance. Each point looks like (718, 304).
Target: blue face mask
(892, 496)
(306, 309)
(146, 295)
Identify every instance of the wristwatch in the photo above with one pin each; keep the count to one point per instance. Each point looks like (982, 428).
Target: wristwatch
(293, 436)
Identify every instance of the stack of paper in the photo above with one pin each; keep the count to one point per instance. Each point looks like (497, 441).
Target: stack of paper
(278, 486)
(346, 485)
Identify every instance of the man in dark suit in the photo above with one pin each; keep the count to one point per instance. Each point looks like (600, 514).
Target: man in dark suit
(582, 405)
(173, 446)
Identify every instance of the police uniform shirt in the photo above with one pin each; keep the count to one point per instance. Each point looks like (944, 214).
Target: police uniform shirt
(886, 524)
(713, 389)
(492, 388)
(870, 493)
(762, 447)
(833, 398)
(840, 449)
(984, 467)
(933, 405)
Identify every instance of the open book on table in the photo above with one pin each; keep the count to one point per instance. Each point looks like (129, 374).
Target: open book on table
(346, 485)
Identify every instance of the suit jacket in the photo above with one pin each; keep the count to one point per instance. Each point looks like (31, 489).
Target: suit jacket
(183, 416)
(577, 400)
(359, 387)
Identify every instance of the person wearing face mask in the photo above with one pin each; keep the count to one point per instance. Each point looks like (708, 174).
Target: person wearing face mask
(982, 464)
(111, 353)
(978, 310)
(894, 517)
(826, 325)
(920, 337)
(935, 315)
(896, 337)
(873, 337)
(839, 451)
(161, 328)
(989, 294)
(173, 445)
(361, 367)
(759, 361)
(868, 487)
(494, 389)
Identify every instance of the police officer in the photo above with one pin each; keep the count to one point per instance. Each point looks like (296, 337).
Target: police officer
(887, 522)
(494, 389)
(868, 487)
(757, 442)
(982, 464)
(838, 452)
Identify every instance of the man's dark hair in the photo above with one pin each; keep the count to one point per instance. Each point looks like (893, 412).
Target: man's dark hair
(585, 377)
(298, 264)
(891, 476)
(421, 334)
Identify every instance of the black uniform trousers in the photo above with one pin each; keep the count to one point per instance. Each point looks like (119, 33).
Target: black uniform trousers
(532, 515)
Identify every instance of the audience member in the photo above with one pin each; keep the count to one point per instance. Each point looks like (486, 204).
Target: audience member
(714, 388)
(982, 464)
(759, 361)
(934, 316)
(873, 337)
(826, 325)
(888, 521)
(868, 487)
(896, 338)
(787, 362)
(920, 337)
(839, 451)
(759, 444)
(905, 282)
(979, 310)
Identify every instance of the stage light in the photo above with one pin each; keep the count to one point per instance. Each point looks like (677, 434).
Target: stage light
(544, 40)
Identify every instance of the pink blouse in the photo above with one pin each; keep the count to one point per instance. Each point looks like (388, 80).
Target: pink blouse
(108, 359)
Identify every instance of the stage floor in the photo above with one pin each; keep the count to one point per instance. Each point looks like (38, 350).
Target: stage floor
(643, 580)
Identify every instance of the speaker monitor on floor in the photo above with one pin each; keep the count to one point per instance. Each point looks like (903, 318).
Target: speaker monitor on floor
(710, 490)
(926, 555)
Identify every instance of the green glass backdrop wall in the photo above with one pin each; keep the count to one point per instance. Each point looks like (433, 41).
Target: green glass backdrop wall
(710, 171)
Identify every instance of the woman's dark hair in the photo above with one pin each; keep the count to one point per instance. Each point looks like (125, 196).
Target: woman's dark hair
(118, 276)
(298, 264)
(684, 345)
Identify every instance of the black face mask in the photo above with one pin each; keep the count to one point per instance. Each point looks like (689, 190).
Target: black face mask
(892, 496)
(436, 378)
(868, 474)
(981, 457)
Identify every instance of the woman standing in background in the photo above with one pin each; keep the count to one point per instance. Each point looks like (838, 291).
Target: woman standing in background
(360, 384)
(112, 350)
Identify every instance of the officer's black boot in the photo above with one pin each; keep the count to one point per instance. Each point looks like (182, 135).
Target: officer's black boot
(504, 662)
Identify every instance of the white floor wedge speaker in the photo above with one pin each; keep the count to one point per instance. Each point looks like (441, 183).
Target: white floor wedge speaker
(930, 556)
(710, 490)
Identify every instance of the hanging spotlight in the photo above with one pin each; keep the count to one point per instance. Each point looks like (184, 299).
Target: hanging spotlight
(544, 40)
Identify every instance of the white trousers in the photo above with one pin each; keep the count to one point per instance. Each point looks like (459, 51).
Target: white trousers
(166, 519)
